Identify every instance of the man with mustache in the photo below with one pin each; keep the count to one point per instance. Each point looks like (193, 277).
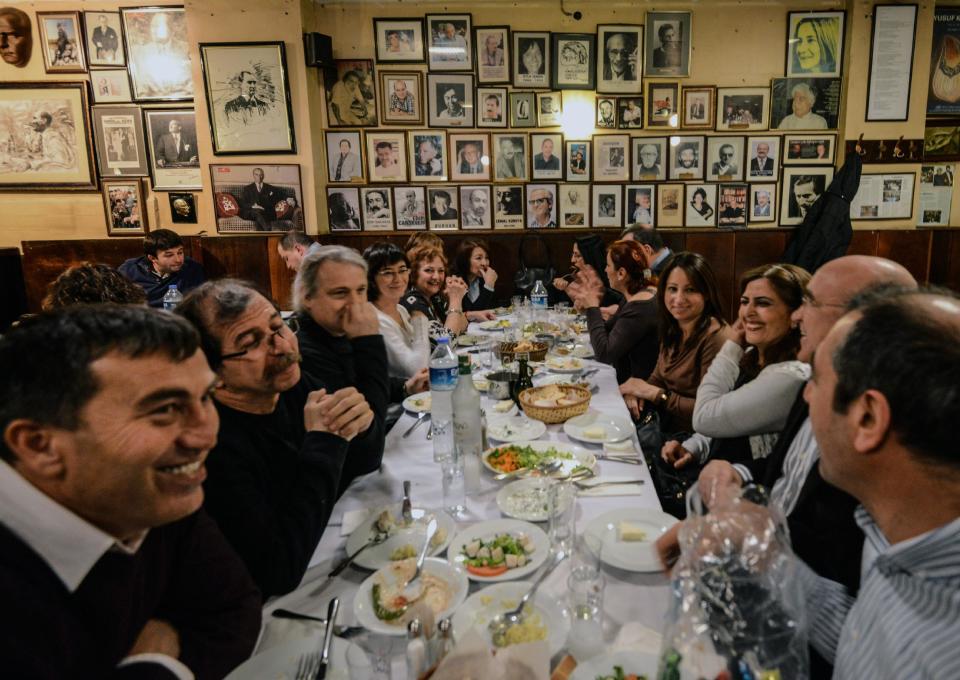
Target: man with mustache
(288, 443)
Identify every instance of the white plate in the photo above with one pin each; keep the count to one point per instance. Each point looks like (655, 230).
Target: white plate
(418, 403)
(526, 499)
(280, 662)
(638, 556)
(565, 379)
(469, 340)
(481, 607)
(580, 456)
(496, 324)
(515, 429)
(492, 413)
(486, 531)
(453, 574)
(601, 666)
(580, 351)
(377, 556)
(615, 428)
(564, 364)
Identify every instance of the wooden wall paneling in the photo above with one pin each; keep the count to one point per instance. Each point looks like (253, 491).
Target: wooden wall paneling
(863, 243)
(719, 250)
(281, 278)
(243, 257)
(910, 248)
(13, 301)
(945, 258)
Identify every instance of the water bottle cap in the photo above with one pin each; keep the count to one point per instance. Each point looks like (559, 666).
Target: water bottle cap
(443, 340)
(173, 286)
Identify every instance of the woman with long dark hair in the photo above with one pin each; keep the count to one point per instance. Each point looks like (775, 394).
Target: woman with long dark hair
(590, 252)
(472, 264)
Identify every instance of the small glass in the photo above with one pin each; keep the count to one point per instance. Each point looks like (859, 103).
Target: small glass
(585, 588)
(515, 302)
(454, 488)
(486, 353)
(561, 513)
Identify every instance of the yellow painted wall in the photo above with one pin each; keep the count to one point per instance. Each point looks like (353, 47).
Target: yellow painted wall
(735, 43)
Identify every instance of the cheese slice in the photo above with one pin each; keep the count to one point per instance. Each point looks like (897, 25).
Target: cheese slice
(595, 432)
(503, 406)
(631, 532)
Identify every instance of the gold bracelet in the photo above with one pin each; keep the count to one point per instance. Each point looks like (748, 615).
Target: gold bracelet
(455, 311)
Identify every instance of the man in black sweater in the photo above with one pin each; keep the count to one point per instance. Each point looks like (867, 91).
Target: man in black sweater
(108, 566)
(283, 452)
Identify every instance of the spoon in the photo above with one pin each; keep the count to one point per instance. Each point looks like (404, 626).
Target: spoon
(500, 624)
(431, 530)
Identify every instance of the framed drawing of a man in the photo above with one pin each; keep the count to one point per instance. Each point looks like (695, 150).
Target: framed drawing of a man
(510, 157)
(158, 35)
(343, 208)
(799, 190)
(573, 63)
(411, 207)
(686, 158)
(620, 59)
(725, 158)
(248, 97)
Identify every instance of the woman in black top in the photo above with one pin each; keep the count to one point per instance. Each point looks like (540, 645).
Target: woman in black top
(472, 264)
(590, 252)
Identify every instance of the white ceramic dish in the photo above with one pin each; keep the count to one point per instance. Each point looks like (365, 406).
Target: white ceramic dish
(638, 556)
(377, 556)
(564, 364)
(493, 413)
(418, 403)
(481, 607)
(494, 527)
(526, 499)
(601, 666)
(280, 661)
(453, 574)
(586, 427)
(580, 456)
(495, 325)
(515, 429)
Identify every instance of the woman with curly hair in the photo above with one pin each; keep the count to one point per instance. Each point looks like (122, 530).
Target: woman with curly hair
(88, 283)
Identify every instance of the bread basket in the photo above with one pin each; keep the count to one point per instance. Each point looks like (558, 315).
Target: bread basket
(538, 351)
(555, 414)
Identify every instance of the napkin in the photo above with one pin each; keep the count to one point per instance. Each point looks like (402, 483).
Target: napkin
(352, 519)
(277, 631)
(612, 489)
(636, 636)
(473, 658)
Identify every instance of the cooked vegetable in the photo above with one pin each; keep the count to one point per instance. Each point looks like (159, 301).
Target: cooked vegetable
(403, 552)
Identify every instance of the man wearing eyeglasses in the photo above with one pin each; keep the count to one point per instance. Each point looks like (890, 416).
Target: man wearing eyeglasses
(726, 166)
(540, 208)
(288, 442)
(620, 62)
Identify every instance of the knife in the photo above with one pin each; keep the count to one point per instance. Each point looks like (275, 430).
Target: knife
(407, 510)
(332, 610)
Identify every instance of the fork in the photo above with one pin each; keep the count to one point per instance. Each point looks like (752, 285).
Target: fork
(423, 415)
(307, 666)
(585, 486)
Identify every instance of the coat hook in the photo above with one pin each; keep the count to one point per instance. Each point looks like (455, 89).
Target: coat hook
(881, 149)
(859, 147)
(897, 152)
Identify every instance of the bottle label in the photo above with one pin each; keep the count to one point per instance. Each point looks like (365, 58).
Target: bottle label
(443, 378)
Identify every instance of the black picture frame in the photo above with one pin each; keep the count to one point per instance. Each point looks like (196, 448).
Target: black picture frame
(112, 150)
(525, 72)
(574, 61)
(825, 42)
(437, 57)
(630, 83)
(877, 9)
(381, 51)
(90, 36)
(183, 207)
(488, 74)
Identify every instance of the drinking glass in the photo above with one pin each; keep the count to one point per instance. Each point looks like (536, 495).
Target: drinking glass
(454, 489)
(561, 511)
(585, 587)
(515, 302)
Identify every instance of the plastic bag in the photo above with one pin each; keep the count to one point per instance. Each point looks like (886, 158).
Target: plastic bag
(736, 609)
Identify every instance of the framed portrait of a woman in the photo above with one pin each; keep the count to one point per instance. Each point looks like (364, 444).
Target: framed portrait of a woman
(815, 43)
(531, 59)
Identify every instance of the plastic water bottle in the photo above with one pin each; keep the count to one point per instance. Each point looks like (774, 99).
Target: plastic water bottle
(538, 300)
(172, 298)
(467, 430)
(443, 380)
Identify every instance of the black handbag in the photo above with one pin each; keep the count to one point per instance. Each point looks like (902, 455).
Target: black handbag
(526, 277)
(671, 483)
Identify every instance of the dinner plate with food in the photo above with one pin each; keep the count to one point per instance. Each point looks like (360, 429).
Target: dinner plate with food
(528, 455)
(384, 605)
(417, 403)
(470, 339)
(560, 364)
(623, 664)
(400, 540)
(527, 499)
(499, 550)
(503, 408)
(594, 427)
(515, 429)
(629, 535)
(545, 618)
(495, 325)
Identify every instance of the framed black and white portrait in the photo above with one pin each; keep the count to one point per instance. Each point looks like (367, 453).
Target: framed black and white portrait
(574, 56)
(386, 156)
(248, 97)
(158, 35)
(698, 107)
(700, 205)
(443, 208)
(174, 157)
(663, 105)
(606, 113)
(742, 108)
(547, 150)
(668, 44)
(510, 157)
(804, 103)
(344, 157)
(343, 208)
(508, 212)
(809, 149)
(257, 197)
(725, 159)
(450, 100)
(763, 207)
(492, 107)
(732, 201)
(611, 158)
(523, 109)
(410, 207)
(799, 190)
(377, 208)
(61, 42)
(763, 158)
(110, 86)
(476, 210)
(492, 47)
(398, 40)
(531, 59)
(670, 206)
(549, 109)
(649, 159)
(120, 143)
(183, 207)
(428, 156)
(402, 98)
(686, 158)
(574, 210)
(640, 204)
(629, 113)
(619, 59)
(124, 207)
(579, 160)
(607, 203)
(815, 43)
(469, 157)
(541, 206)
(352, 98)
(448, 42)
(104, 39)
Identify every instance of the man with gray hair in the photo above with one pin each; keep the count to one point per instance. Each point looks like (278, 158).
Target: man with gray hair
(286, 447)
(803, 98)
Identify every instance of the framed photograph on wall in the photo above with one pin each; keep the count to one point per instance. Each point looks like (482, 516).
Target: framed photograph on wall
(541, 206)
(258, 197)
(607, 203)
(523, 109)
(700, 205)
(800, 188)
(611, 158)
(377, 208)
(649, 159)
(469, 157)
(398, 40)
(763, 158)
(884, 196)
(549, 109)
(386, 156)
(248, 98)
(732, 202)
(110, 86)
(444, 208)
(174, 157)
(942, 97)
(579, 157)
(574, 211)
(448, 42)
(574, 58)
(619, 59)
(941, 140)
(401, 95)
(670, 205)
(428, 155)
(698, 107)
(124, 207)
(763, 207)
(121, 146)
(410, 207)
(492, 47)
(742, 108)
(58, 112)
(815, 43)
(547, 149)
(344, 157)
(152, 32)
(936, 194)
(662, 103)
(103, 37)
(686, 158)
(343, 208)
(352, 98)
(510, 157)
(640, 204)
(450, 100)
(475, 208)
(183, 207)
(492, 103)
(629, 113)
(725, 159)
(61, 42)
(668, 44)
(531, 59)
(508, 210)
(809, 149)
(606, 113)
(804, 103)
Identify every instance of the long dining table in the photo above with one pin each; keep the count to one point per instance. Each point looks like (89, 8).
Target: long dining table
(628, 596)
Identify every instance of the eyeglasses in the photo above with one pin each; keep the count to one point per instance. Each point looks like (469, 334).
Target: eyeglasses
(393, 273)
(813, 303)
(534, 201)
(292, 324)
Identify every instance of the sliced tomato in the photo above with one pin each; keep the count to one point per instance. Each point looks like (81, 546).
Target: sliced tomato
(487, 571)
